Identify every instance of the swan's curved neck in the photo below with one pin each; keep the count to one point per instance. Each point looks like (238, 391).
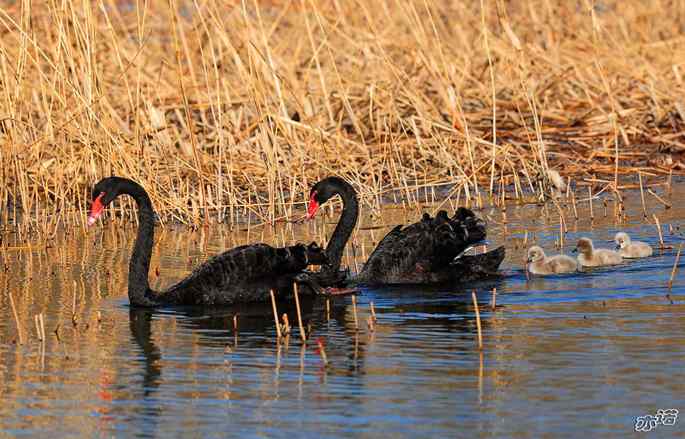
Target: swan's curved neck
(346, 223)
(139, 266)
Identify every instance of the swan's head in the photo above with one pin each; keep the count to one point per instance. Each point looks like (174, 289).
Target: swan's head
(622, 240)
(584, 246)
(535, 254)
(105, 191)
(323, 191)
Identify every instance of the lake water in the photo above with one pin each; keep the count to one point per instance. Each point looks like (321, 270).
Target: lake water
(563, 355)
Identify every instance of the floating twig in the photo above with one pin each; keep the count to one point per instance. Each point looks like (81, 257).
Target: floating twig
(373, 312)
(666, 204)
(493, 303)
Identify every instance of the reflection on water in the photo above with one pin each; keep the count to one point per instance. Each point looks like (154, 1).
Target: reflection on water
(582, 352)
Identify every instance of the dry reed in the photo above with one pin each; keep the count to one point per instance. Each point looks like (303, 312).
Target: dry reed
(20, 335)
(224, 111)
(675, 267)
(475, 307)
(354, 311)
(36, 321)
(658, 229)
(322, 352)
(370, 324)
(666, 204)
(303, 335)
(273, 306)
(286, 324)
(642, 195)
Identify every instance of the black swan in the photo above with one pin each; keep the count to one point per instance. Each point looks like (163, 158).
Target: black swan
(240, 275)
(430, 251)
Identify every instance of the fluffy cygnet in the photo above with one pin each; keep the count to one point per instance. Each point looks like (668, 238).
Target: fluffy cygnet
(539, 263)
(630, 249)
(589, 256)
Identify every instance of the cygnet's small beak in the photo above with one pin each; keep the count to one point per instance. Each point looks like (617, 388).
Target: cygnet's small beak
(575, 250)
(529, 260)
(618, 246)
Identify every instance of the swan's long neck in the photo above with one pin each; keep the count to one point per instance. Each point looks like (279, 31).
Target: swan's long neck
(139, 266)
(346, 223)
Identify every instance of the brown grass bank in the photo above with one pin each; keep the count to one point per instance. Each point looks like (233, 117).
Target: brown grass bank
(221, 108)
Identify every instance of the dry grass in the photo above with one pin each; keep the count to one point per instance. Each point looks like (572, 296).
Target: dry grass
(222, 109)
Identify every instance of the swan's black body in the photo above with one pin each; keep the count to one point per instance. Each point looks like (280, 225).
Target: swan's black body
(240, 275)
(427, 252)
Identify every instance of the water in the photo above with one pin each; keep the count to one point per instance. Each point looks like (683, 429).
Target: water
(586, 352)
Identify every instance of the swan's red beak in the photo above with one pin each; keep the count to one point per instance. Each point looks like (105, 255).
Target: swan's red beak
(96, 209)
(313, 206)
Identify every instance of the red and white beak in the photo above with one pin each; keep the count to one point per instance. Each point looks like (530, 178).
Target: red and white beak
(96, 209)
(313, 206)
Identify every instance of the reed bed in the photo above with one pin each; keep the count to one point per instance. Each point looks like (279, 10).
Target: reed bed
(223, 110)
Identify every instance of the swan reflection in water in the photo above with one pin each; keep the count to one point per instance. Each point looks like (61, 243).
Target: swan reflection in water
(425, 310)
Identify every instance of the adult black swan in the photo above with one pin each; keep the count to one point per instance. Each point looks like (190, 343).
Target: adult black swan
(243, 274)
(430, 251)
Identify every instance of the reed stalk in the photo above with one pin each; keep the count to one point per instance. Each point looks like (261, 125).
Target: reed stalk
(322, 352)
(354, 311)
(286, 324)
(658, 229)
(666, 204)
(675, 267)
(20, 335)
(273, 306)
(475, 307)
(299, 314)
(642, 195)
